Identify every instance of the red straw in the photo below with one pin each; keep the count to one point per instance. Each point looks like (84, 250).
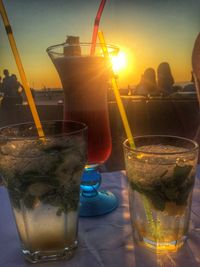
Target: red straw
(96, 26)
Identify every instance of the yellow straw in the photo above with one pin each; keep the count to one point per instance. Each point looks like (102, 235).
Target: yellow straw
(126, 125)
(117, 94)
(21, 70)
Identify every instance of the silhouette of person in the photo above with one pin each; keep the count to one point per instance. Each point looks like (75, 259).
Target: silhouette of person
(190, 87)
(1, 85)
(147, 84)
(6, 81)
(165, 78)
(11, 90)
(16, 92)
(1, 91)
(6, 75)
(7, 88)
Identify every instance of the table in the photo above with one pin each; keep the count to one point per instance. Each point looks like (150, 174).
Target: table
(105, 241)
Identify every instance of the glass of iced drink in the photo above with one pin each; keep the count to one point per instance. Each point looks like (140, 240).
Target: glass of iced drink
(42, 177)
(85, 80)
(161, 174)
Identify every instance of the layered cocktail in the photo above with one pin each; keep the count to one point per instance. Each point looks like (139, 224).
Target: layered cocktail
(42, 177)
(85, 79)
(161, 175)
(85, 82)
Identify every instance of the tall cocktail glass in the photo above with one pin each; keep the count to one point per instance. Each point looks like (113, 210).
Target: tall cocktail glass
(43, 181)
(161, 174)
(85, 81)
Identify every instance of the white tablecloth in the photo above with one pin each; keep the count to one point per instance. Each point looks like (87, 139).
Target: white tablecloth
(104, 241)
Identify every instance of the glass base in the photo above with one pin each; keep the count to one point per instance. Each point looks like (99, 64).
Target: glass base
(42, 256)
(103, 203)
(162, 247)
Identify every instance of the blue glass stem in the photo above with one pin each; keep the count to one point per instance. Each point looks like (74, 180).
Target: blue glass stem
(91, 180)
(92, 201)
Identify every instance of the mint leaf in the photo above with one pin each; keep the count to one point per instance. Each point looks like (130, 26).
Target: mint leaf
(136, 187)
(174, 188)
(181, 173)
(158, 201)
(171, 193)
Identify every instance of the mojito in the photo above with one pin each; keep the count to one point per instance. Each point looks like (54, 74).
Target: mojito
(43, 180)
(161, 175)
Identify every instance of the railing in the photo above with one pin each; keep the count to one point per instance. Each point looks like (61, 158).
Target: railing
(146, 116)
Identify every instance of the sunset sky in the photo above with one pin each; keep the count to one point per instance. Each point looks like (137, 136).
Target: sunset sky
(147, 31)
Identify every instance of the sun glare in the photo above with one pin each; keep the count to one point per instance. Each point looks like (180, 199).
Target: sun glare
(119, 62)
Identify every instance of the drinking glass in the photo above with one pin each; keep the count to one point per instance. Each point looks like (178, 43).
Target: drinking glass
(161, 174)
(85, 80)
(43, 181)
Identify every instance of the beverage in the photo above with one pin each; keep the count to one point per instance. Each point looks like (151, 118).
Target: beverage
(43, 182)
(85, 83)
(85, 80)
(161, 177)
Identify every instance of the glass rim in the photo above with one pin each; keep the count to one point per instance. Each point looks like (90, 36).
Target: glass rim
(36, 136)
(50, 49)
(137, 150)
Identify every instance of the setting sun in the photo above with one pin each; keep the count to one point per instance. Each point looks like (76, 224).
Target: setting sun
(119, 62)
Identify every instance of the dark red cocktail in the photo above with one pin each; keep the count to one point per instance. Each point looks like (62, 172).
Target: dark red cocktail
(85, 83)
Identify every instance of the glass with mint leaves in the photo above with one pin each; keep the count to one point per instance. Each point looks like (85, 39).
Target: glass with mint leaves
(161, 175)
(42, 177)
